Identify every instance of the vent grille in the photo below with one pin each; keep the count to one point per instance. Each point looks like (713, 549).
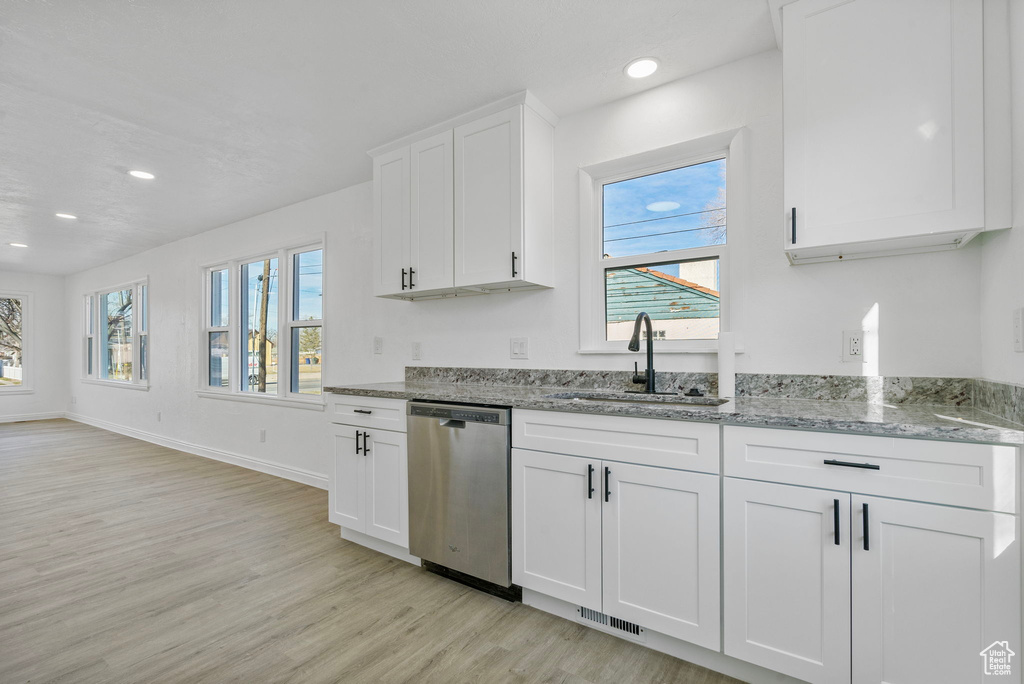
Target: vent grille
(610, 622)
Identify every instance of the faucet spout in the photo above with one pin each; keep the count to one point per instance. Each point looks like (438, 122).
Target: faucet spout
(634, 345)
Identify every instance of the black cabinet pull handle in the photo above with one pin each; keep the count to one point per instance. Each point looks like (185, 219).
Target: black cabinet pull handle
(411, 274)
(848, 464)
(358, 450)
(793, 239)
(590, 481)
(835, 520)
(403, 278)
(867, 526)
(366, 443)
(607, 491)
(513, 264)
(361, 411)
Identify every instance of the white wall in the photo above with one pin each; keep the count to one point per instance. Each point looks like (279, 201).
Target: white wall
(790, 319)
(1002, 272)
(45, 354)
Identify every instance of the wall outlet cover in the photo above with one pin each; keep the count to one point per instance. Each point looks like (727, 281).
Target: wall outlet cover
(853, 346)
(417, 351)
(1018, 330)
(378, 345)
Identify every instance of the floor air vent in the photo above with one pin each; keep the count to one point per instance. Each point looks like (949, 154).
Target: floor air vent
(611, 625)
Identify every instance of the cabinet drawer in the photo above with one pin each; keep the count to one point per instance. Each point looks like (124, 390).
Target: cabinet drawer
(387, 414)
(646, 441)
(957, 474)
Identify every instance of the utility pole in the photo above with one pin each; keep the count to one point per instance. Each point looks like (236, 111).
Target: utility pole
(264, 304)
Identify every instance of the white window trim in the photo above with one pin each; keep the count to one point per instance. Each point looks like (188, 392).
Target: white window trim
(291, 322)
(27, 344)
(284, 396)
(730, 144)
(137, 334)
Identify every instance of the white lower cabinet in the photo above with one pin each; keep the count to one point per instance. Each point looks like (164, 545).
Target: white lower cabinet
(369, 488)
(925, 587)
(635, 542)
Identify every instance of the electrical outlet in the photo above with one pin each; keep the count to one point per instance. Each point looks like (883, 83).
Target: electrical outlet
(520, 348)
(417, 351)
(263, 435)
(853, 346)
(1018, 330)
(378, 345)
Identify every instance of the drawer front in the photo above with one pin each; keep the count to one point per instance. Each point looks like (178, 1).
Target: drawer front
(957, 474)
(646, 441)
(387, 414)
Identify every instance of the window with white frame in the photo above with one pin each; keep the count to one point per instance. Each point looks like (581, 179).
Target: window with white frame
(263, 331)
(655, 239)
(116, 335)
(14, 339)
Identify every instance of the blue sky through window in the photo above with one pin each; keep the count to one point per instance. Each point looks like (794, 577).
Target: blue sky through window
(677, 209)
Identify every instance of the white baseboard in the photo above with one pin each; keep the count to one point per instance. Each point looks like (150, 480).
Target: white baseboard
(18, 418)
(287, 472)
(713, 660)
(379, 545)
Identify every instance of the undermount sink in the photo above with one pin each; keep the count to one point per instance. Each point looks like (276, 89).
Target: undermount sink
(640, 398)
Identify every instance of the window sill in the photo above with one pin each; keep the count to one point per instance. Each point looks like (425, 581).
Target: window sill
(315, 405)
(117, 383)
(15, 389)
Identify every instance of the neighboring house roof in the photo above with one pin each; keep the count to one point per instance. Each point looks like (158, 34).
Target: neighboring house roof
(662, 296)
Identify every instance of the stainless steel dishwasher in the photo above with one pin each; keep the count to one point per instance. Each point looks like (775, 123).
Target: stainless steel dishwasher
(459, 462)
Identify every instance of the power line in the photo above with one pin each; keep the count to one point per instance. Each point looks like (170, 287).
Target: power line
(670, 232)
(664, 218)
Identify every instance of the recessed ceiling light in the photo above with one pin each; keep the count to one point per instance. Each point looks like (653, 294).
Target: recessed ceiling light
(662, 206)
(66, 216)
(144, 175)
(17, 244)
(640, 68)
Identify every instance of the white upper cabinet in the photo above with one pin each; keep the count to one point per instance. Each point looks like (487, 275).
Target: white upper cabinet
(477, 195)
(886, 126)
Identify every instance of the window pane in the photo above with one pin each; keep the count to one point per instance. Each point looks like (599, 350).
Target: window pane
(681, 298)
(306, 354)
(117, 339)
(219, 365)
(89, 316)
(219, 304)
(676, 209)
(88, 358)
(144, 356)
(10, 342)
(144, 309)
(308, 286)
(259, 334)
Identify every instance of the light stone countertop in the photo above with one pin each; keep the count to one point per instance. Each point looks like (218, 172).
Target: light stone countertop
(906, 420)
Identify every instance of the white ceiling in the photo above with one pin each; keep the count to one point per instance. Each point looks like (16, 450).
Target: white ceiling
(243, 106)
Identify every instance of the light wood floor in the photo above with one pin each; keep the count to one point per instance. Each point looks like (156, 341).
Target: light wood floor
(121, 561)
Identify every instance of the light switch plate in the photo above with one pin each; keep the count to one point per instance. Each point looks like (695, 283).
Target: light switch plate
(417, 351)
(378, 345)
(1018, 330)
(520, 348)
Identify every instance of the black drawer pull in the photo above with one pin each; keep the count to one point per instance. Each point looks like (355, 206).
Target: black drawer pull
(411, 274)
(793, 241)
(866, 528)
(848, 464)
(366, 443)
(358, 450)
(403, 279)
(590, 481)
(835, 518)
(607, 491)
(514, 265)
(362, 411)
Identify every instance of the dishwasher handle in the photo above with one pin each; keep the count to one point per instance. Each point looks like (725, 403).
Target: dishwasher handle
(452, 423)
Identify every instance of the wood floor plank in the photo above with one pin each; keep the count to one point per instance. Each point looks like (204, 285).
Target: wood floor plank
(123, 561)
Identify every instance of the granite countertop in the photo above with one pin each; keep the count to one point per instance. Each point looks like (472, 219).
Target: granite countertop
(906, 420)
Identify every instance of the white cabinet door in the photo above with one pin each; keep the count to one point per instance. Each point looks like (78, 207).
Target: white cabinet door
(786, 582)
(489, 199)
(883, 119)
(556, 526)
(935, 586)
(431, 216)
(661, 551)
(391, 248)
(346, 492)
(387, 486)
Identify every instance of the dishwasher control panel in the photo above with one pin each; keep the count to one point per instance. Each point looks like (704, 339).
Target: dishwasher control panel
(468, 414)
